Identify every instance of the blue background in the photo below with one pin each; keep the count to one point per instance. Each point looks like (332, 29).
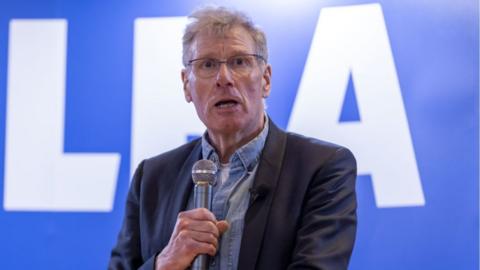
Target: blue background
(435, 47)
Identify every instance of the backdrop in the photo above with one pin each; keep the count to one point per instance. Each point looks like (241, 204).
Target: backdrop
(90, 88)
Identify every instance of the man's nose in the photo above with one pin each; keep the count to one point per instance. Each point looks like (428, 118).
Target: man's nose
(224, 76)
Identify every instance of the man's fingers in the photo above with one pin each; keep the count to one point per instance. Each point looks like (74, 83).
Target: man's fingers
(204, 248)
(185, 236)
(198, 214)
(185, 224)
(195, 243)
(198, 231)
(222, 226)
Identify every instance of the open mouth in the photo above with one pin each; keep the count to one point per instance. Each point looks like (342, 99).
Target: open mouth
(226, 103)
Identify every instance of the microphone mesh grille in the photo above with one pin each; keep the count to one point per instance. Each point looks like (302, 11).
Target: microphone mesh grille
(204, 170)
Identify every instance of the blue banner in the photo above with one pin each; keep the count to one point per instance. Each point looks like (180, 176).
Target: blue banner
(90, 88)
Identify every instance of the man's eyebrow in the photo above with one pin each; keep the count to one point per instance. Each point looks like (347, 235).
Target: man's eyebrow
(214, 55)
(206, 55)
(210, 55)
(240, 52)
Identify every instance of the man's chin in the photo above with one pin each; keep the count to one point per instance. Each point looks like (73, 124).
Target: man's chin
(226, 125)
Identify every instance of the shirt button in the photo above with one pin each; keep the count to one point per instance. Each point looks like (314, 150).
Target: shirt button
(213, 262)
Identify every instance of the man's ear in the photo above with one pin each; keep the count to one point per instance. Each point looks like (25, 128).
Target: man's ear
(186, 89)
(266, 80)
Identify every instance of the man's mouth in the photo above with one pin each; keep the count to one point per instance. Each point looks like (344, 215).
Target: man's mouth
(226, 103)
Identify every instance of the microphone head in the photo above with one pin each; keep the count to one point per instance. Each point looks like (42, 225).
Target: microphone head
(203, 171)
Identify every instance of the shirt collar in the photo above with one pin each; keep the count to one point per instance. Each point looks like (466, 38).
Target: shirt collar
(246, 156)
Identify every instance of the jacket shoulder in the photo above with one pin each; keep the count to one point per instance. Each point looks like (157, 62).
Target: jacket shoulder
(315, 144)
(308, 147)
(173, 158)
(176, 152)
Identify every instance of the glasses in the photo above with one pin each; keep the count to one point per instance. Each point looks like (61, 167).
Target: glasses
(239, 64)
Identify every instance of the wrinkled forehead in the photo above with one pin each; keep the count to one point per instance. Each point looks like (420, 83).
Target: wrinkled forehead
(214, 43)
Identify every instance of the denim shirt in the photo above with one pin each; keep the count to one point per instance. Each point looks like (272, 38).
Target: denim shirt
(231, 195)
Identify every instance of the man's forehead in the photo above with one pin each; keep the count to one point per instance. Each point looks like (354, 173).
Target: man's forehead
(233, 40)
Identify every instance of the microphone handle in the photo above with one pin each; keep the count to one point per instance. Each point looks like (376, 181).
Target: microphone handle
(202, 198)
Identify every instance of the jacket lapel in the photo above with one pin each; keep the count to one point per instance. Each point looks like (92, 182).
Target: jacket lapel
(178, 198)
(264, 185)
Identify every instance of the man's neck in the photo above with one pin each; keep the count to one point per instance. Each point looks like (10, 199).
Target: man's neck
(227, 144)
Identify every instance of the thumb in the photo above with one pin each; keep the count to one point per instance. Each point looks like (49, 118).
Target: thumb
(222, 226)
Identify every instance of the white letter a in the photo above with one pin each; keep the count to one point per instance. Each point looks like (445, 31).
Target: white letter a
(353, 40)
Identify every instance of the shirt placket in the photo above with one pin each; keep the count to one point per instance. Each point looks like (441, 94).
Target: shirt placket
(220, 209)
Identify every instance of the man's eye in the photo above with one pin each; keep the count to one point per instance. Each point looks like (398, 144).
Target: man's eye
(208, 64)
(240, 61)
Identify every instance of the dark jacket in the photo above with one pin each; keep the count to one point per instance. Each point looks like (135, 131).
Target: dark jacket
(302, 215)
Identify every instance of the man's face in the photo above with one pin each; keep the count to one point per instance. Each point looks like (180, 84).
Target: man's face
(227, 102)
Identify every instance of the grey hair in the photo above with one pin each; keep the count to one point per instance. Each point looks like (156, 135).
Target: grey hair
(218, 20)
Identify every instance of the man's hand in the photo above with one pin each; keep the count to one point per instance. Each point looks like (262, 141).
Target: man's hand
(196, 232)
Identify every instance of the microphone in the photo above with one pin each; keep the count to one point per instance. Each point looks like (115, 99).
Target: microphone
(203, 175)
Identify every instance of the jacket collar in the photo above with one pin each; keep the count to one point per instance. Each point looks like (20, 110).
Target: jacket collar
(182, 187)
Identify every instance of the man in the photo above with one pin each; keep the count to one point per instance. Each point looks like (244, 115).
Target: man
(280, 201)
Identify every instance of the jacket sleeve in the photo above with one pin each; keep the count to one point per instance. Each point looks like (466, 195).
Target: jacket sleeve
(127, 252)
(327, 229)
